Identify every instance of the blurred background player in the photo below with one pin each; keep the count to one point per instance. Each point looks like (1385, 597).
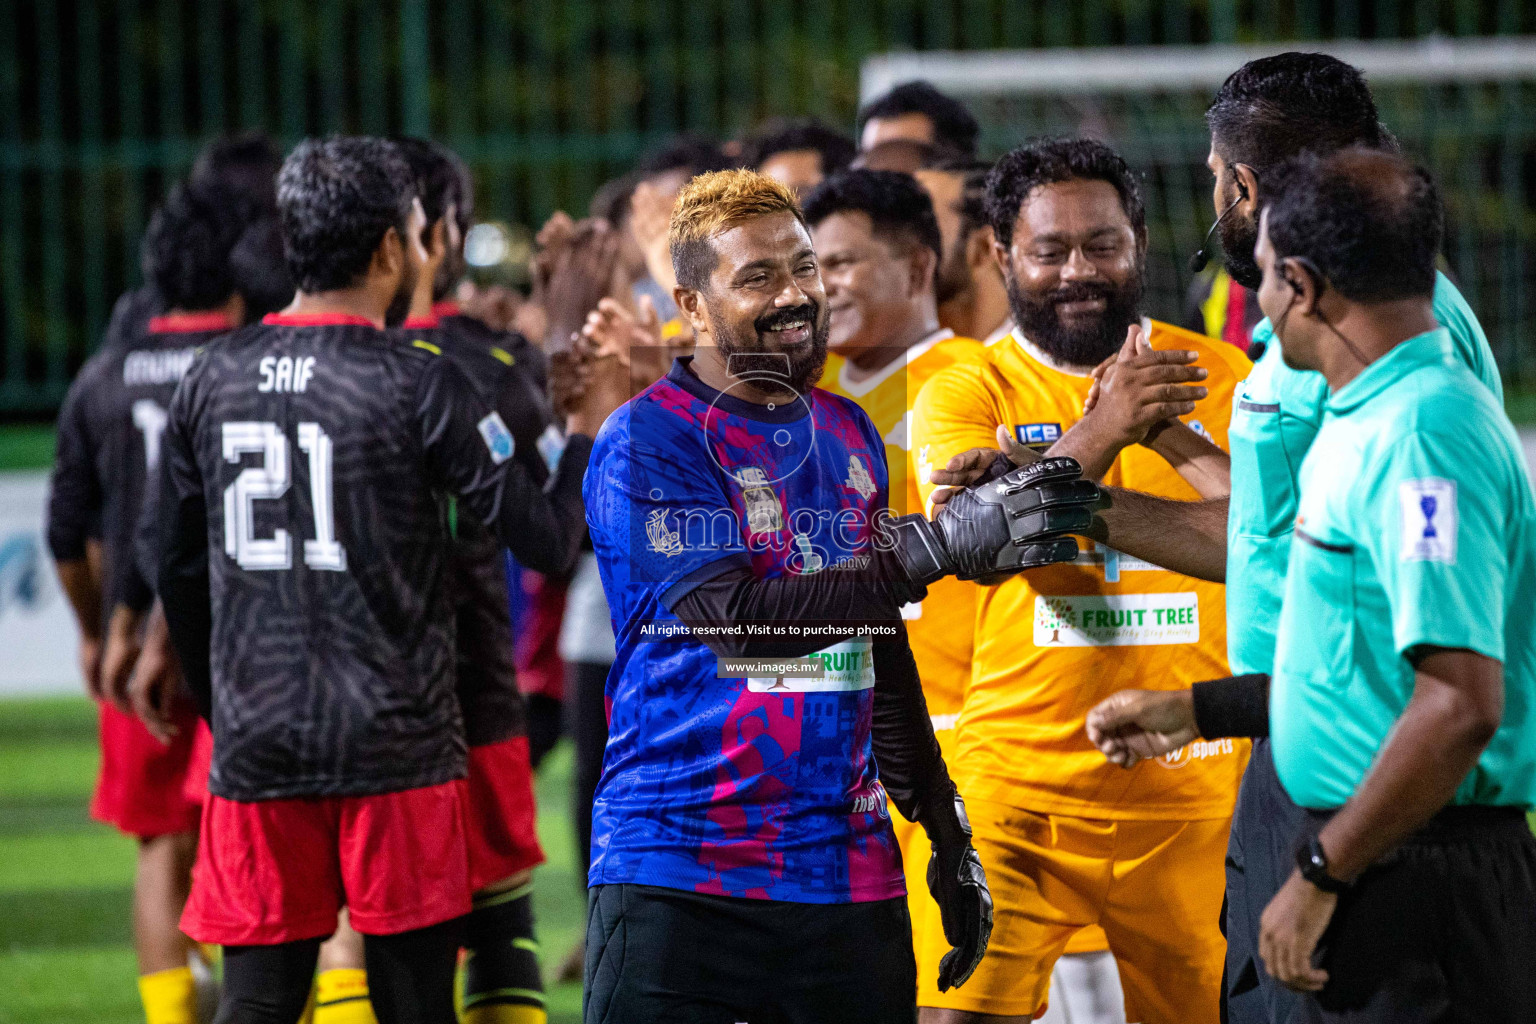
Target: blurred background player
(109, 446)
(659, 177)
(969, 288)
(800, 153)
(502, 983)
(302, 819)
(244, 166)
(1071, 844)
(878, 246)
(918, 112)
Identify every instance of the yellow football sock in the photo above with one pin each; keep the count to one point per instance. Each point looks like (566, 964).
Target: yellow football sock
(505, 1013)
(341, 997)
(170, 997)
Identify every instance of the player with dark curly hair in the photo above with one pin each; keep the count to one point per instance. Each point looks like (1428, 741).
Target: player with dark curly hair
(1070, 841)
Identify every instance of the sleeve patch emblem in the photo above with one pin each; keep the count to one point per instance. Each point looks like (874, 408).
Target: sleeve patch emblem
(1429, 520)
(859, 478)
(498, 439)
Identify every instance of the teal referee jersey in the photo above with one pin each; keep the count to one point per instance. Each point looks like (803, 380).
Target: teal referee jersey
(1416, 527)
(1276, 415)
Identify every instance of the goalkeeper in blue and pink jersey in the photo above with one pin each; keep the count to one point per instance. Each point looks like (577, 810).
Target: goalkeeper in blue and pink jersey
(743, 865)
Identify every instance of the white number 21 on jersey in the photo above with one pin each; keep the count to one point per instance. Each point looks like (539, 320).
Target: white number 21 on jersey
(270, 480)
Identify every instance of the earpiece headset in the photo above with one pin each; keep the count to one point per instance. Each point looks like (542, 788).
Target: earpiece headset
(1198, 261)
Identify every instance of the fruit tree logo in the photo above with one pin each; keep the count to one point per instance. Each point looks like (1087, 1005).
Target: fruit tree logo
(1056, 614)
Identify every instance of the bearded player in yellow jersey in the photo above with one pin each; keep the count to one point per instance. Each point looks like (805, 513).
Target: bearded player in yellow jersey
(1067, 842)
(878, 243)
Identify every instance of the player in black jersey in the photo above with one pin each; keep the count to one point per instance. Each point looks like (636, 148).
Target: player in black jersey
(502, 983)
(244, 167)
(304, 575)
(109, 443)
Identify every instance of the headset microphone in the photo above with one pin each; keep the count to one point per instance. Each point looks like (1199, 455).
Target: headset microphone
(1198, 261)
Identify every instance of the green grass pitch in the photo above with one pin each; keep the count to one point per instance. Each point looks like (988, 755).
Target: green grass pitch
(66, 882)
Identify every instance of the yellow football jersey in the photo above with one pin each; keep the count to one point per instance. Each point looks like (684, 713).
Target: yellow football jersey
(1052, 643)
(940, 626)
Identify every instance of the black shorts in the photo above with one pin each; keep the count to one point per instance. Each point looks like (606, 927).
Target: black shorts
(669, 956)
(1261, 854)
(1442, 930)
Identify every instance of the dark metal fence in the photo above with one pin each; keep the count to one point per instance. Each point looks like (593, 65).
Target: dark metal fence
(103, 102)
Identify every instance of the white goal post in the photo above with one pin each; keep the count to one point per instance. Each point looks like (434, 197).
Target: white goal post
(1148, 68)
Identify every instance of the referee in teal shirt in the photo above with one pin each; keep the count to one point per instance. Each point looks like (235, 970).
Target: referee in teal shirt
(1402, 707)
(1403, 703)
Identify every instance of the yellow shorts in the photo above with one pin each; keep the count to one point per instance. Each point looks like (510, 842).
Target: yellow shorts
(915, 851)
(1154, 887)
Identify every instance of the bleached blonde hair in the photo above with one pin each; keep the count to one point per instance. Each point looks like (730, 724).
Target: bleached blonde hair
(713, 203)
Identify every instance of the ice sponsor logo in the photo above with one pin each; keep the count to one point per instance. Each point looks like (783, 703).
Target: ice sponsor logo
(1199, 750)
(1117, 620)
(1114, 562)
(1429, 520)
(1038, 436)
(498, 439)
(846, 666)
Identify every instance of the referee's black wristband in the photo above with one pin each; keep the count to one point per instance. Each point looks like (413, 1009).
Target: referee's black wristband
(1234, 706)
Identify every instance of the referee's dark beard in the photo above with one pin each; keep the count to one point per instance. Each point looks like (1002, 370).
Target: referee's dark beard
(1238, 237)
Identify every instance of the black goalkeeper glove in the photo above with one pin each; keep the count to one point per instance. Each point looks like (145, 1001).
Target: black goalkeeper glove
(1015, 522)
(959, 887)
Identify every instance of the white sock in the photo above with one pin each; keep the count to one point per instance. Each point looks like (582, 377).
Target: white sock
(1086, 988)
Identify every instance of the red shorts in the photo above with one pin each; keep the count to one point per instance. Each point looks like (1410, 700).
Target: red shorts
(275, 871)
(140, 787)
(196, 784)
(501, 813)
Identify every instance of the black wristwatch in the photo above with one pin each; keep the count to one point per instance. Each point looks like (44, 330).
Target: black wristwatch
(1313, 863)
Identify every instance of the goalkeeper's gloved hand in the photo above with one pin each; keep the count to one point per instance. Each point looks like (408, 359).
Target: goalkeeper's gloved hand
(1014, 522)
(959, 887)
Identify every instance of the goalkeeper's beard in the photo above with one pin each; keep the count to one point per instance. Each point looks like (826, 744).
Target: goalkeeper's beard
(1087, 343)
(805, 361)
